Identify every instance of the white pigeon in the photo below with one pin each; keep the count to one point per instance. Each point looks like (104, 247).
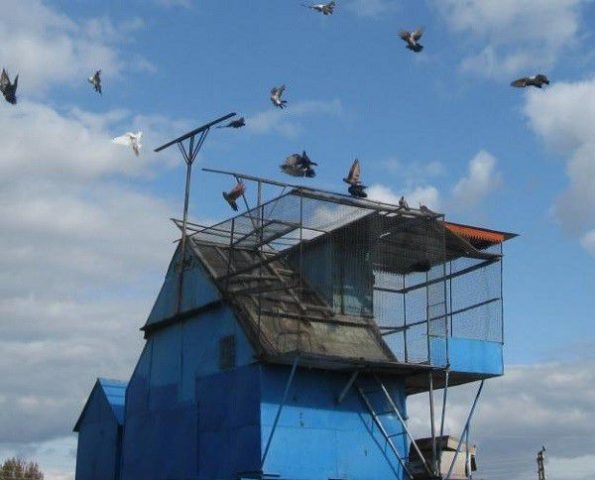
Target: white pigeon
(130, 139)
(324, 8)
(276, 94)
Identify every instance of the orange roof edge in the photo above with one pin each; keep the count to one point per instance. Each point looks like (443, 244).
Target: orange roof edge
(478, 233)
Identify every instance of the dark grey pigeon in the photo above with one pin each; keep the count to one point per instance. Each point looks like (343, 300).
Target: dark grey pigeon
(276, 94)
(412, 39)
(95, 80)
(324, 8)
(238, 123)
(356, 189)
(538, 81)
(235, 193)
(9, 90)
(426, 211)
(403, 203)
(298, 165)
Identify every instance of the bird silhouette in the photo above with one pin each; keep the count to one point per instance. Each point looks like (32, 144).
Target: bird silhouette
(298, 165)
(130, 139)
(8, 89)
(356, 189)
(403, 203)
(238, 123)
(425, 210)
(538, 81)
(276, 94)
(324, 8)
(237, 191)
(412, 39)
(95, 80)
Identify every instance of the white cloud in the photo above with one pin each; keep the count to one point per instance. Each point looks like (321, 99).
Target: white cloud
(426, 195)
(481, 180)
(467, 194)
(288, 122)
(564, 119)
(550, 404)
(518, 36)
(47, 47)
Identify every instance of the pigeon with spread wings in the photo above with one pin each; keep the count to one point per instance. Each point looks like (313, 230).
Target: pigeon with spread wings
(538, 81)
(95, 80)
(130, 139)
(356, 189)
(238, 123)
(298, 165)
(8, 89)
(324, 8)
(412, 39)
(235, 193)
(276, 94)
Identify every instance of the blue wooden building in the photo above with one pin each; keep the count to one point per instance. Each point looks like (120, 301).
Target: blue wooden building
(285, 341)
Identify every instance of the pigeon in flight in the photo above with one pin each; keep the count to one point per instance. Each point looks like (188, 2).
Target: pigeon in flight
(276, 94)
(536, 81)
(356, 189)
(9, 90)
(236, 192)
(298, 165)
(130, 140)
(412, 39)
(95, 80)
(403, 203)
(324, 8)
(238, 123)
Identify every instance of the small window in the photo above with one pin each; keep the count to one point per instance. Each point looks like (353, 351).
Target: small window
(227, 352)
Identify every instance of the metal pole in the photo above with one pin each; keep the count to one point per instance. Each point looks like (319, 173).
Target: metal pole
(396, 410)
(467, 456)
(281, 405)
(452, 464)
(349, 384)
(443, 417)
(432, 421)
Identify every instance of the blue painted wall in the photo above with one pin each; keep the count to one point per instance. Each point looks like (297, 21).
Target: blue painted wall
(317, 439)
(469, 356)
(163, 414)
(197, 291)
(100, 433)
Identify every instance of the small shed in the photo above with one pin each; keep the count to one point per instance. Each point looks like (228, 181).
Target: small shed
(99, 428)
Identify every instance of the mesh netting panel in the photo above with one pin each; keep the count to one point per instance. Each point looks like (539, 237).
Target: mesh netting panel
(337, 273)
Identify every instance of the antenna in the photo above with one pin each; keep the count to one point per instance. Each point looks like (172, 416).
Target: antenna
(190, 155)
(541, 464)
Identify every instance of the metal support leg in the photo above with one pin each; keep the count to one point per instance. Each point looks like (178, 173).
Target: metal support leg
(404, 425)
(349, 384)
(443, 417)
(281, 405)
(432, 422)
(463, 433)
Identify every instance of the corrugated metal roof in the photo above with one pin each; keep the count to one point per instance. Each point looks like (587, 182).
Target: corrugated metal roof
(114, 392)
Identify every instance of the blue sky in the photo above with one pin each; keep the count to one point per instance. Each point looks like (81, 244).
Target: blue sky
(443, 126)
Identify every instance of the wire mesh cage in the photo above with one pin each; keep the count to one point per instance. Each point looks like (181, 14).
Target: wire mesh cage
(351, 280)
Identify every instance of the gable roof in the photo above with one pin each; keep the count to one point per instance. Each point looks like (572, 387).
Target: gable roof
(114, 392)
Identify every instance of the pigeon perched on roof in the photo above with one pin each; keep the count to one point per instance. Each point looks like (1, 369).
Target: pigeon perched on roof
(236, 192)
(356, 189)
(425, 210)
(403, 203)
(9, 90)
(298, 165)
(130, 139)
(324, 8)
(238, 123)
(536, 81)
(95, 80)
(276, 94)
(412, 39)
